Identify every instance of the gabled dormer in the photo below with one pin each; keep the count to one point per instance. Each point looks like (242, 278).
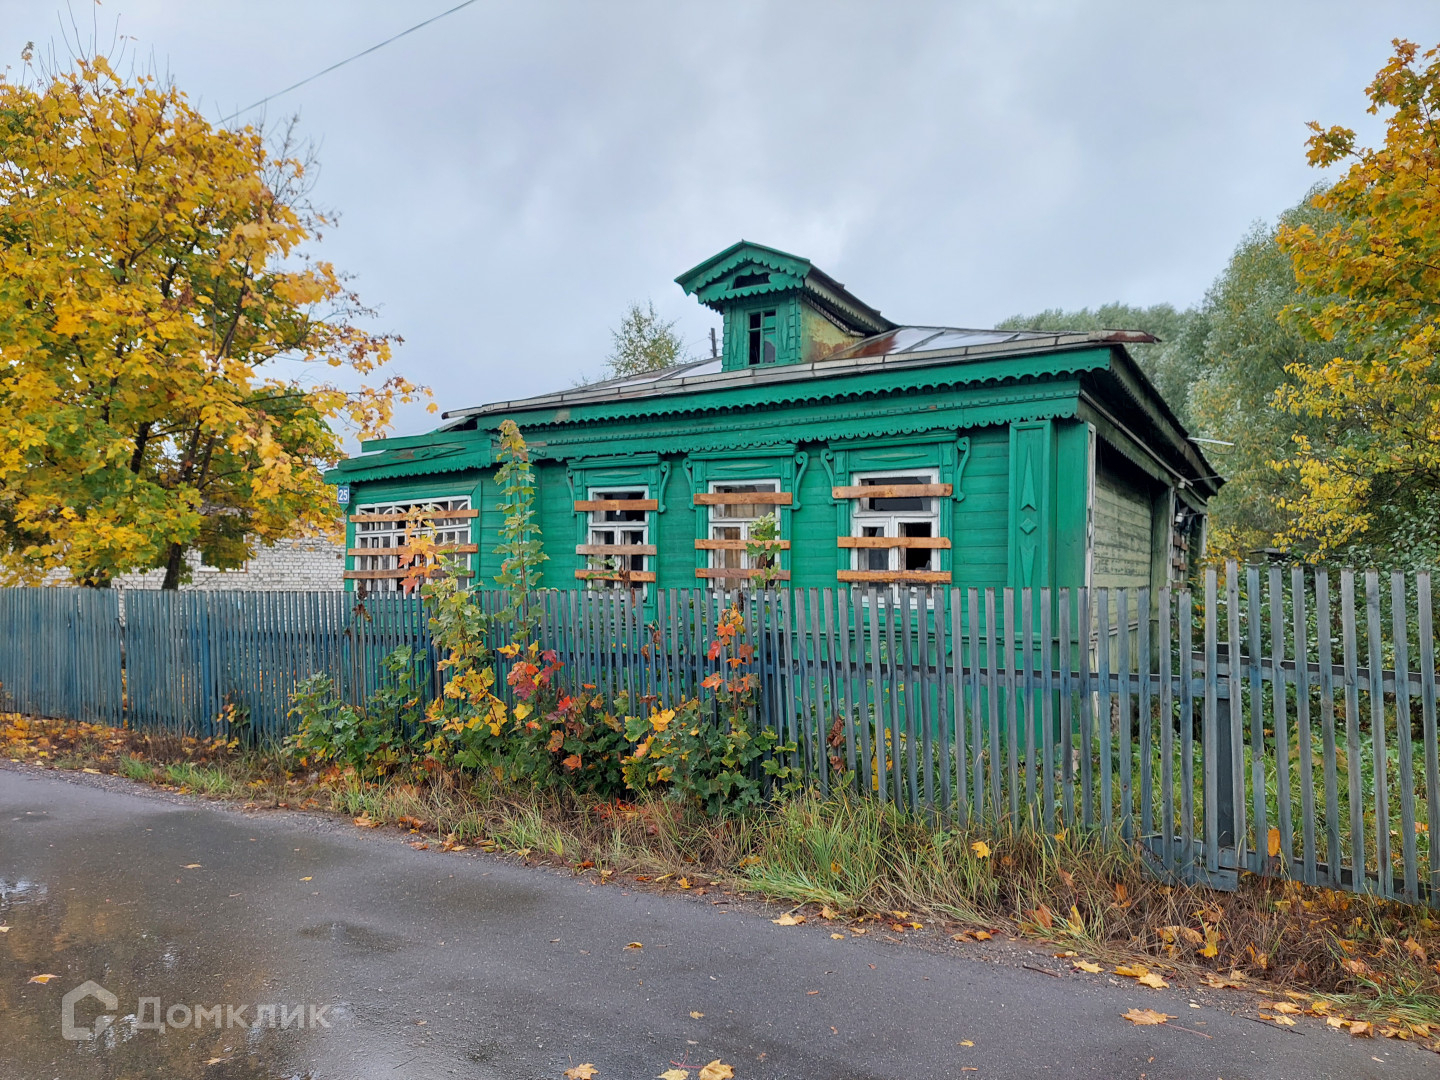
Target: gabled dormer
(778, 308)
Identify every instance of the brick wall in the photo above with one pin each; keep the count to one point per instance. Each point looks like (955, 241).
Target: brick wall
(288, 565)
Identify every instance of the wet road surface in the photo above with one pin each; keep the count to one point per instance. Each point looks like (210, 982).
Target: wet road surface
(375, 960)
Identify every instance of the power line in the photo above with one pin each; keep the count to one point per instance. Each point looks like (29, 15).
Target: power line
(342, 63)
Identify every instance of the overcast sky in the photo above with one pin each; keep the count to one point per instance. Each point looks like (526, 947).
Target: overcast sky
(511, 177)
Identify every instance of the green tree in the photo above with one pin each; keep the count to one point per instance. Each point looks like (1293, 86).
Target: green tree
(1371, 485)
(157, 312)
(1172, 364)
(644, 342)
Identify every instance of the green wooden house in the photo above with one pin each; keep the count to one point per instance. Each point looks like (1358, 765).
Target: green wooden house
(891, 456)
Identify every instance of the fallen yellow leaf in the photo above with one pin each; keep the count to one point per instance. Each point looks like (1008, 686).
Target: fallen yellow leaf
(1155, 982)
(191, 866)
(92, 772)
(1362, 1030)
(982, 935)
(1146, 1017)
(684, 883)
(1286, 1007)
(307, 879)
(788, 920)
(581, 1072)
(1336, 1021)
(4, 929)
(697, 1016)
(365, 822)
(827, 912)
(674, 1074)
(966, 1042)
(1272, 843)
(1132, 971)
(635, 945)
(838, 937)
(981, 849)
(717, 1070)
(42, 979)
(1087, 966)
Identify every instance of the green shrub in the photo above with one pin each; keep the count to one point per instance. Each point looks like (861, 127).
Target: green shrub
(372, 739)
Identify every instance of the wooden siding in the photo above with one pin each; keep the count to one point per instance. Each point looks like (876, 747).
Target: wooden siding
(1122, 532)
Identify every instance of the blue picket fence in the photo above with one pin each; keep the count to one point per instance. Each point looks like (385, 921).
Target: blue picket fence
(1276, 722)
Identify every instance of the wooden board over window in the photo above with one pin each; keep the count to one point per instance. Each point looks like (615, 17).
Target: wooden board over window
(595, 505)
(894, 577)
(731, 498)
(740, 572)
(892, 491)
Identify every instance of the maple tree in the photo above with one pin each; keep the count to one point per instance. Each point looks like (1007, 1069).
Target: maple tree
(161, 327)
(1373, 282)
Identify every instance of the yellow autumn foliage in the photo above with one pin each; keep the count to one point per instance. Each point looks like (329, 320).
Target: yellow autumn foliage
(1375, 277)
(165, 340)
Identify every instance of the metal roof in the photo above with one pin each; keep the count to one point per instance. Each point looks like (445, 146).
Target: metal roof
(902, 347)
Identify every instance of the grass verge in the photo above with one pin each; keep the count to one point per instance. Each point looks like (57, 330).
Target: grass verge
(864, 865)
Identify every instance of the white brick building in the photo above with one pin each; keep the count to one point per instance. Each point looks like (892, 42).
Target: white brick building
(288, 565)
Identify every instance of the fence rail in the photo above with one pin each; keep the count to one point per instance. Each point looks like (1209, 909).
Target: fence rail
(1276, 722)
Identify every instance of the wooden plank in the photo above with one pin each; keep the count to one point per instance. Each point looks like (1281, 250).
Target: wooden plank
(941, 543)
(1237, 714)
(1102, 667)
(616, 549)
(1087, 711)
(891, 491)
(872, 604)
(1374, 633)
(403, 552)
(1425, 625)
(741, 498)
(1124, 758)
(1334, 857)
(1400, 639)
(1209, 729)
(416, 515)
(1144, 664)
(1067, 738)
(957, 679)
(583, 506)
(1280, 721)
(1047, 718)
(992, 694)
(1352, 728)
(725, 572)
(636, 576)
(1026, 713)
(899, 577)
(977, 710)
(740, 545)
(1258, 755)
(1303, 734)
(403, 572)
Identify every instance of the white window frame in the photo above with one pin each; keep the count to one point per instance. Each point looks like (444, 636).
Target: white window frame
(624, 533)
(741, 525)
(384, 536)
(891, 522)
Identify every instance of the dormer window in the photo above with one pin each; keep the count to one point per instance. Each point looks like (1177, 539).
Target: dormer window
(746, 281)
(762, 337)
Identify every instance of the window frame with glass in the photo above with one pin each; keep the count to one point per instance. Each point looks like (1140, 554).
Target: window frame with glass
(425, 517)
(622, 531)
(894, 523)
(739, 525)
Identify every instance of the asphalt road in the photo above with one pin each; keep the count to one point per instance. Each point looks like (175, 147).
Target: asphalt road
(443, 965)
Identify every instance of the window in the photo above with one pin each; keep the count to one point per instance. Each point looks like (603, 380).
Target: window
(889, 517)
(763, 335)
(617, 528)
(381, 571)
(731, 522)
